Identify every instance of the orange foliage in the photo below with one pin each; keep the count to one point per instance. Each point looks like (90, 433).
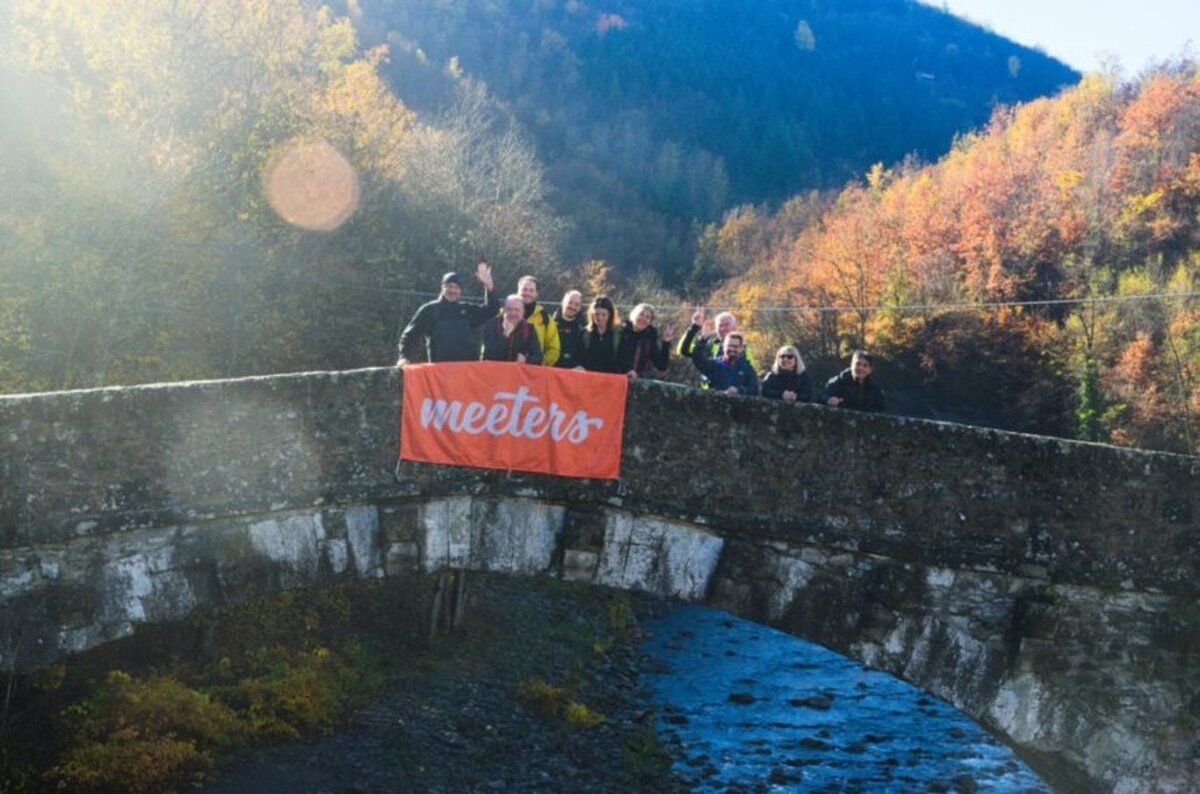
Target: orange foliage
(1055, 198)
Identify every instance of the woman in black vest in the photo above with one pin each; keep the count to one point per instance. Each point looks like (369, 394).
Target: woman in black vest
(602, 339)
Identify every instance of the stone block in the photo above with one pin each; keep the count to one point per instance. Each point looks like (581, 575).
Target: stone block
(400, 521)
(514, 535)
(292, 544)
(584, 529)
(402, 557)
(667, 558)
(366, 539)
(579, 565)
(446, 533)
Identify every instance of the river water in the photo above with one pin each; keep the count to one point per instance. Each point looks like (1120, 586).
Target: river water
(754, 709)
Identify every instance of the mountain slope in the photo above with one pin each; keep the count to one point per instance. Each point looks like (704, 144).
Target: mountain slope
(652, 115)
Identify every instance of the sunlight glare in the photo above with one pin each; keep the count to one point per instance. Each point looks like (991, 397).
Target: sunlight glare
(310, 184)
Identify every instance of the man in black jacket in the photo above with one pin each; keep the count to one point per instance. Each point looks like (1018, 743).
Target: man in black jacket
(570, 321)
(853, 387)
(447, 329)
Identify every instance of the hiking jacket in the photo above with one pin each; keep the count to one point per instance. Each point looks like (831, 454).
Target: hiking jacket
(523, 339)
(601, 351)
(866, 396)
(570, 339)
(642, 351)
(443, 330)
(774, 384)
(722, 374)
(547, 333)
(711, 346)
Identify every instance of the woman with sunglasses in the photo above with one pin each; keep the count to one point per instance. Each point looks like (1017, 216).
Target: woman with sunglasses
(787, 379)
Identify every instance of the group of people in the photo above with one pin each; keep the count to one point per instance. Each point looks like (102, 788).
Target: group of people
(520, 330)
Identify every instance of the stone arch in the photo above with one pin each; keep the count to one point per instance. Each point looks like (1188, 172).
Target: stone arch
(1044, 587)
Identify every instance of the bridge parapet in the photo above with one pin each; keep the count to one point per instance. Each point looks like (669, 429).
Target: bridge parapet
(96, 462)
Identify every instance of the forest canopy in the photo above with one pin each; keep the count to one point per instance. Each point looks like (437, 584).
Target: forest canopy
(139, 241)
(1091, 196)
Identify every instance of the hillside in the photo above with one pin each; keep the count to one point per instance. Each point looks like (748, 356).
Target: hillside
(1092, 196)
(649, 116)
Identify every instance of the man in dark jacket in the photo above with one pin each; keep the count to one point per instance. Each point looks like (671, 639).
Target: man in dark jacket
(729, 372)
(853, 387)
(447, 329)
(510, 337)
(569, 318)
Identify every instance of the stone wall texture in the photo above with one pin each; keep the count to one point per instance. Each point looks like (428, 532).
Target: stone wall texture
(1046, 588)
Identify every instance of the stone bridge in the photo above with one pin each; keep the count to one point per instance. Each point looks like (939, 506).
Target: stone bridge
(1046, 588)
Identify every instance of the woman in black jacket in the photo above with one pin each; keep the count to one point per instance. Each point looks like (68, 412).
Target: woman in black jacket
(642, 348)
(602, 338)
(787, 379)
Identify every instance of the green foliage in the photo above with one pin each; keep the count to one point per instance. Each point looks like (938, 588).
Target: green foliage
(542, 697)
(276, 669)
(155, 706)
(292, 699)
(653, 116)
(17, 774)
(140, 243)
(133, 765)
(150, 734)
(553, 702)
(1090, 412)
(645, 759)
(578, 715)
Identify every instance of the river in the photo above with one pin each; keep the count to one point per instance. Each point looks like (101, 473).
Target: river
(751, 708)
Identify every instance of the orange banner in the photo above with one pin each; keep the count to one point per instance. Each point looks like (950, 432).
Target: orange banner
(497, 415)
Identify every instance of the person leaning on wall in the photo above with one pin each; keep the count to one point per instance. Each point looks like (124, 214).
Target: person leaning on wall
(545, 328)
(854, 388)
(787, 379)
(642, 349)
(602, 337)
(570, 319)
(509, 337)
(723, 324)
(446, 329)
(729, 372)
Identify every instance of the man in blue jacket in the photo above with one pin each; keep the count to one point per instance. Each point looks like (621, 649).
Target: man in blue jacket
(728, 371)
(447, 329)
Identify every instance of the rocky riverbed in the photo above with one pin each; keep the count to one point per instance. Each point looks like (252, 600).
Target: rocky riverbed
(489, 708)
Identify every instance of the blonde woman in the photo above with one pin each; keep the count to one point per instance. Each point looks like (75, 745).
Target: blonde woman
(643, 348)
(787, 379)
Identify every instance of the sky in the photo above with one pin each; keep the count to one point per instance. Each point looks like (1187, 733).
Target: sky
(1082, 32)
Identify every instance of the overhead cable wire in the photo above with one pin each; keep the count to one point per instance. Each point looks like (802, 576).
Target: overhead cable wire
(903, 307)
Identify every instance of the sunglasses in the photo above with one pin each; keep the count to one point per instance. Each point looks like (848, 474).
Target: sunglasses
(786, 355)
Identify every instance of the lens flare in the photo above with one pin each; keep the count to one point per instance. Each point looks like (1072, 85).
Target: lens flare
(310, 184)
